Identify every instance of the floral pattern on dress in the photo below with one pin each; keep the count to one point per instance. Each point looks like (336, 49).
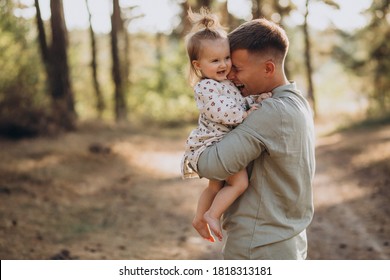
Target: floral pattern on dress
(221, 107)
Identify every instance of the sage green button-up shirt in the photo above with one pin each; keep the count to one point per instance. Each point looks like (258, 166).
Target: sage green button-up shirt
(276, 143)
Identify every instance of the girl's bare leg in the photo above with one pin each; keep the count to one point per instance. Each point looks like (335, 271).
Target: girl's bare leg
(236, 185)
(204, 203)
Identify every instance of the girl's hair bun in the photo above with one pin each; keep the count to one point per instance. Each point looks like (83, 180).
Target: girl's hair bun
(204, 20)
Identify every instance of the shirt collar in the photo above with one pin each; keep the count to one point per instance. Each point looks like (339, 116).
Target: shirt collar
(284, 90)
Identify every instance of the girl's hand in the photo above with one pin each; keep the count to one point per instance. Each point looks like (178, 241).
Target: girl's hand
(263, 96)
(253, 108)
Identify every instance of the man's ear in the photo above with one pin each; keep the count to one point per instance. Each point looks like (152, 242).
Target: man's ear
(196, 64)
(269, 68)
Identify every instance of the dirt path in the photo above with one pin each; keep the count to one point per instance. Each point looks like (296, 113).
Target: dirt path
(101, 193)
(116, 193)
(352, 191)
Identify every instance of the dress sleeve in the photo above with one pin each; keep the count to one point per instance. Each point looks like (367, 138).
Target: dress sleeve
(216, 106)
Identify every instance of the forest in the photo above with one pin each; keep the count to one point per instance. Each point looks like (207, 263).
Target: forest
(93, 125)
(52, 77)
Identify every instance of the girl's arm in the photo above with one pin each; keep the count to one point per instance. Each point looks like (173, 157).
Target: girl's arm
(251, 109)
(258, 98)
(261, 97)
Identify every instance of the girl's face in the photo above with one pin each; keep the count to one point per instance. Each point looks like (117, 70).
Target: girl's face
(214, 59)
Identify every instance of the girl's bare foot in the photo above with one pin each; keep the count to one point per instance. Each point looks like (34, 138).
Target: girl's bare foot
(203, 229)
(214, 225)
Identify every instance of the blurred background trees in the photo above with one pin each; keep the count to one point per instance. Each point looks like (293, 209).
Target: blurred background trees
(55, 59)
(366, 53)
(23, 102)
(52, 77)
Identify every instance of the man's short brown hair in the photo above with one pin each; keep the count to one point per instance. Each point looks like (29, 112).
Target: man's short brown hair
(258, 36)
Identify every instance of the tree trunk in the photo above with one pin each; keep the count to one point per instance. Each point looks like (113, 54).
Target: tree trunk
(127, 59)
(283, 11)
(161, 75)
(63, 103)
(204, 3)
(42, 36)
(99, 98)
(117, 27)
(45, 51)
(256, 9)
(226, 17)
(56, 65)
(309, 71)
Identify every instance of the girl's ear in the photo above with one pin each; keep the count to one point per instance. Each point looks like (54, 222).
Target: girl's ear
(196, 64)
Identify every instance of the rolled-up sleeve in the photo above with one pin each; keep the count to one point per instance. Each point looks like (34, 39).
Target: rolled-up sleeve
(232, 154)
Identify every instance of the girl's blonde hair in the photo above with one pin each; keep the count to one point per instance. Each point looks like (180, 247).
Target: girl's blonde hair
(205, 26)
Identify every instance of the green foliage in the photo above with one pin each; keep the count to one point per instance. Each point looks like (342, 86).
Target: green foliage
(79, 57)
(367, 54)
(23, 105)
(160, 91)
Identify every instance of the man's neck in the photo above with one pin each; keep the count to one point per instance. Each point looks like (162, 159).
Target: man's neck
(279, 81)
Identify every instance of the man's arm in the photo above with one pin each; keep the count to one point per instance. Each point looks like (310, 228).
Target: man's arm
(232, 154)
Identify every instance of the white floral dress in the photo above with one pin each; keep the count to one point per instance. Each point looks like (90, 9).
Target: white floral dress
(221, 107)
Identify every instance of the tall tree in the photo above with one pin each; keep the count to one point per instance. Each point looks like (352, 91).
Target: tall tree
(56, 65)
(62, 91)
(185, 26)
(308, 57)
(281, 10)
(366, 53)
(256, 9)
(42, 37)
(116, 32)
(128, 16)
(308, 61)
(379, 54)
(100, 105)
(161, 75)
(22, 113)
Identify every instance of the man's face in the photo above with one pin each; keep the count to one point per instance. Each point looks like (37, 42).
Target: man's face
(248, 72)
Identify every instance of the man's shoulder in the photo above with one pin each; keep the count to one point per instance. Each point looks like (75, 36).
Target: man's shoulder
(288, 93)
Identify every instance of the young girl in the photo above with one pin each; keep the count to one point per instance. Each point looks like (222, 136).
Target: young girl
(221, 108)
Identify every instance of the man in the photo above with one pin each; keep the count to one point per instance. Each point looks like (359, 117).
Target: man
(275, 143)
